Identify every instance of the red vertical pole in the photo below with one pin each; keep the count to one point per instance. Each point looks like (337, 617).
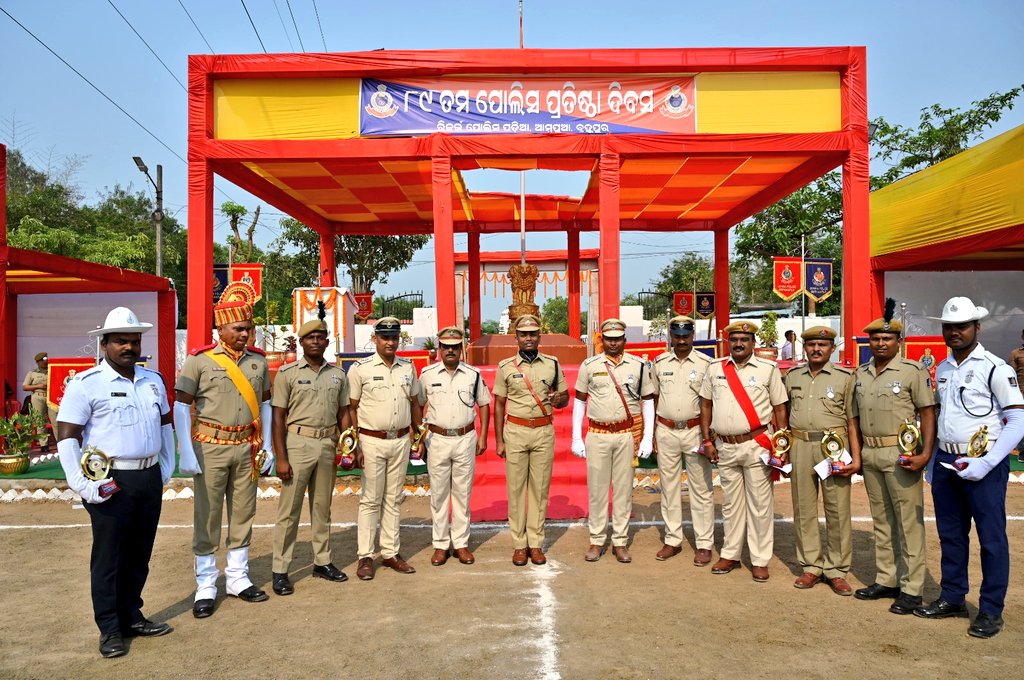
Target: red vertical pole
(200, 252)
(572, 280)
(608, 262)
(8, 358)
(9, 333)
(722, 298)
(3, 195)
(444, 240)
(327, 263)
(473, 281)
(166, 324)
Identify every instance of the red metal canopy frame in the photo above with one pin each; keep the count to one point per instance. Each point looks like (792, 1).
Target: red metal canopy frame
(28, 272)
(631, 173)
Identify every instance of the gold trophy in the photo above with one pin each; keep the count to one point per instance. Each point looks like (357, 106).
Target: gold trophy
(96, 466)
(782, 441)
(832, 448)
(979, 443)
(347, 443)
(417, 439)
(909, 437)
(258, 461)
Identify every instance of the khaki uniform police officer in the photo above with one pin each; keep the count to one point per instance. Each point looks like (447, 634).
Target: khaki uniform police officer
(311, 404)
(35, 383)
(530, 385)
(888, 391)
(454, 391)
(384, 394)
(229, 383)
(741, 439)
(820, 399)
(616, 384)
(677, 376)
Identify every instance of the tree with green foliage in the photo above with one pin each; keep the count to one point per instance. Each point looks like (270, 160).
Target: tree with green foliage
(555, 316)
(489, 327)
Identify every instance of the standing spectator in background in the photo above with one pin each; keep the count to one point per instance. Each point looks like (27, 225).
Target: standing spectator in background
(787, 353)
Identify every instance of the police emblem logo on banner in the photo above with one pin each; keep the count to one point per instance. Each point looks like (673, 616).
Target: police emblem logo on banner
(818, 274)
(250, 274)
(787, 279)
(704, 305)
(682, 303)
(364, 304)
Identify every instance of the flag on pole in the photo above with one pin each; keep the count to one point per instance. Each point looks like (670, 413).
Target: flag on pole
(682, 303)
(787, 279)
(818, 275)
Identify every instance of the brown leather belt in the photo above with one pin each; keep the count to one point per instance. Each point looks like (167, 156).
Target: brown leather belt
(881, 442)
(740, 438)
(679, 424)
(385, 434)
(314, 432)
(598, 426)
(529, 422)
(451, 431)
(816, 435)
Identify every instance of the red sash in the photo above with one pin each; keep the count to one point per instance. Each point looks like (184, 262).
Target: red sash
(746, 405)
(533, 393)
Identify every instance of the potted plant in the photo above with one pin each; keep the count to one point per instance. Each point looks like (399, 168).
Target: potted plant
(431, 348)
(768, 334)
(19, 432)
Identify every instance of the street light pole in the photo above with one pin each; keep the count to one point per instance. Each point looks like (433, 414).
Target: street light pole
(158, 214)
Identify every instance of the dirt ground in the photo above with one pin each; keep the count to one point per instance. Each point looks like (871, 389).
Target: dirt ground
(568, 619)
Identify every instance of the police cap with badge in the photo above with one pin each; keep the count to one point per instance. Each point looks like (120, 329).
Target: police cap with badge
(387, 327)
(886, 324)
(451, 335)
(613, 328)
(681, 325)
(740, 327)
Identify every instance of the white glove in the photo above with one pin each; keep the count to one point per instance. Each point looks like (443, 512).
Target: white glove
(267, 420)
(70, 454)
(579, 409)
(166, 453)
(647, 440)
(976, 468)
(269, 463)
(188, 463)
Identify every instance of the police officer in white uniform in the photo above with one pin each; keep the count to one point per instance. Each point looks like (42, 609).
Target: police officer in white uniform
(122, 410)
(976, 390)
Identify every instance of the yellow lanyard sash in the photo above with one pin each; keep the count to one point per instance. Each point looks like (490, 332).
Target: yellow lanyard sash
(244, 388)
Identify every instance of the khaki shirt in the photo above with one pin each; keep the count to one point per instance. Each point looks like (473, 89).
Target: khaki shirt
(384, 393)
(542, 372)
(1017, 362)
(634, 377)
(37, 377)
(763, 384)
(217, 399)
(450, 395)
(677, 384)
(312, 397)
(884, 400)
(820, 402)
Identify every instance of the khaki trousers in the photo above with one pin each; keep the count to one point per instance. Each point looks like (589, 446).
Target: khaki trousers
(835, 497)
(451, 462)
(529, 455)
(747, 506)
(385, 462)
(313, 472)
(226, 478)
(610, 461)
(37, 403)
(897, 513)
(675, 446)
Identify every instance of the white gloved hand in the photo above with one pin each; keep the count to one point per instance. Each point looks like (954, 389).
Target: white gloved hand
(266, 420)
(579, 409)
(646, 447)
(976, 468)
(166, 453)
(188, 463)
(70, 454)
(579, 449)
(91, 492)
(268, 464)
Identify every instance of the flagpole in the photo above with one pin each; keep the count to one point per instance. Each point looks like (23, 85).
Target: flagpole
(803, 298)
(522, 173)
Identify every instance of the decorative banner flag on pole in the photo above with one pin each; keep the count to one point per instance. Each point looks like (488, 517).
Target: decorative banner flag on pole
(704, 305)
(220, 280)
(818, 275)
(682, 303)
(787, 281)
(364, 305)
(60, 371)
(251, 274)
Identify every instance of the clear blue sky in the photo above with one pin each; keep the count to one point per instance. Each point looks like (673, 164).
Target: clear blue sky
(918, 54)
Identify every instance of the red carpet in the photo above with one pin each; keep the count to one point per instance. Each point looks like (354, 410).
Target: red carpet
(568, 498)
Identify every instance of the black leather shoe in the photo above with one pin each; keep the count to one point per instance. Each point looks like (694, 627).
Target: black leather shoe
(111, 645)
(940, 609)
(905, 604)
(329, 572)
(147, 628)
(986, 625)
(282, 584)
(876, 592)
(202, 609)
(252, 594)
